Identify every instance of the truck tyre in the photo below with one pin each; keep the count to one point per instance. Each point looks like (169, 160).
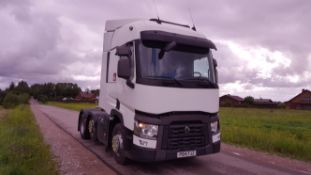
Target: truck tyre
(117, 145)
(92, 129)
(83, 130)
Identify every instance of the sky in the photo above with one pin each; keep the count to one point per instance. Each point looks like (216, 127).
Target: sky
(263, 46)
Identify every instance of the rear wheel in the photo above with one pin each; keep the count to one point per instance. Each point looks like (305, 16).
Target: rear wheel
(83, 130)
(92, 129)
(117, 145)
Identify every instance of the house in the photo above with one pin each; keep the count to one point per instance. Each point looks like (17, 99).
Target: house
(86, 97)
(230, 100)
(300, 101)
(265, 103)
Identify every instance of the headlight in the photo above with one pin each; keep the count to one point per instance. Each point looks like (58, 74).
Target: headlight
(214, 127)
(144, 130)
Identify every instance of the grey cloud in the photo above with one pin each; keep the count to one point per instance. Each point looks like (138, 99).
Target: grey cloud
(40, 45)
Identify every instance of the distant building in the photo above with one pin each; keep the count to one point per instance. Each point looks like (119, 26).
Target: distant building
(300, 101)
(86, 97)
(230, 100)
(265, 103)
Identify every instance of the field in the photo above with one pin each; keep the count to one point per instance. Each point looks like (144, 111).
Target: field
(73, 106)
(280, 131)
(22, 150)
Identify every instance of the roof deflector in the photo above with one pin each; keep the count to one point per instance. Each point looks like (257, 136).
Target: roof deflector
(166, 37)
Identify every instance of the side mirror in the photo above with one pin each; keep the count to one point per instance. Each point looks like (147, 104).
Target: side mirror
(123, 51)
(124, 68)
(215, 67)
(215, 62)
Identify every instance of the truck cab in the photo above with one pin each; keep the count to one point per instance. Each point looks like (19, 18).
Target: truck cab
(159, 95)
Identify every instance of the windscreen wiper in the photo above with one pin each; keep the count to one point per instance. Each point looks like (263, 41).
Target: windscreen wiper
(167, 78)
(204, 80)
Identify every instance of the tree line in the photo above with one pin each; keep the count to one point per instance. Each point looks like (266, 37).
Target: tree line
(21, 92)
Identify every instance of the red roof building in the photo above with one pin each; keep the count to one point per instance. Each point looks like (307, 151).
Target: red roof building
(230, 100)
(300, 101)
(86, 97)
(265, 103)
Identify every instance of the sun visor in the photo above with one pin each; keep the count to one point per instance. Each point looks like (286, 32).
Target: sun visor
(166, 37)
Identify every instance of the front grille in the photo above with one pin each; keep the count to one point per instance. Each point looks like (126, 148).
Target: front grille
(185, 136)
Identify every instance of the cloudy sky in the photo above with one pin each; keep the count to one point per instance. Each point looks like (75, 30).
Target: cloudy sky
(264, 46)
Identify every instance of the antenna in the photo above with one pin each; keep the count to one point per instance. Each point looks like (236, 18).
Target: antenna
(156, 9)
(191, 17)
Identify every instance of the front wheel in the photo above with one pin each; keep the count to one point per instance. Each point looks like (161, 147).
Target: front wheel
(117, 145)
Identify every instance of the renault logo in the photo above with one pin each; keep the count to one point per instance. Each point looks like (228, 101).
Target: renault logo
(187, 129)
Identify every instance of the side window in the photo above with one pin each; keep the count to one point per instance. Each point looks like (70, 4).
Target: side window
(201, 68)
(112, 67)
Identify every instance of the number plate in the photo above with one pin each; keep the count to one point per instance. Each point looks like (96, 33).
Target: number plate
(182, 154)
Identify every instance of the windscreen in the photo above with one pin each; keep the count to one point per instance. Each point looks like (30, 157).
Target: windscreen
(178, 64)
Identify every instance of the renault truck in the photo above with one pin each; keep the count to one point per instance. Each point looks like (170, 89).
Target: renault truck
(159, 95)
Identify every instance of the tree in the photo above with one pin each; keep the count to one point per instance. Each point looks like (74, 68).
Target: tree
(11, 87)
(36, 90)
(49, 90)
(95, 91)
(2, 94)
(248, 100)
(67, 90)
(22, 87)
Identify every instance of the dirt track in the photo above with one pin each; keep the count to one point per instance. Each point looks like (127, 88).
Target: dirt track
(77, 156)
(71, 156)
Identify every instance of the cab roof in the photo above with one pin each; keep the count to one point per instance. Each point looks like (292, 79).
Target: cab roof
(119, 32)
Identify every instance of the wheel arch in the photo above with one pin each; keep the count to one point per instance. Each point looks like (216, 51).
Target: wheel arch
(117, 117)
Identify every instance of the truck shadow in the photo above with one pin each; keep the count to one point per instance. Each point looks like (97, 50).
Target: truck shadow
(166, 167)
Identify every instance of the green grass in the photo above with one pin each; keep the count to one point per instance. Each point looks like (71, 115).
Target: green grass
(73, 106)
(22, 150)
(280, 131)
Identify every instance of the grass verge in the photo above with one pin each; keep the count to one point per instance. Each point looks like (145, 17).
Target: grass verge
(22, 150)
(73, 106)
(280, 131)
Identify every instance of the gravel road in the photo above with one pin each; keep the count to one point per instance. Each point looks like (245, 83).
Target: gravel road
(77, 156)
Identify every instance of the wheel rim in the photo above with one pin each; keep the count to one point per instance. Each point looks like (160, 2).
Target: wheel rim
(81, 127)
(117, 143)
(91, 127)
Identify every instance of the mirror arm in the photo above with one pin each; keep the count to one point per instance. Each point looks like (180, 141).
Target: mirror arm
(130, 84)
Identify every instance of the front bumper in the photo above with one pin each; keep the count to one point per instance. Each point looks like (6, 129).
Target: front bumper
(163, 150)
(151, 155)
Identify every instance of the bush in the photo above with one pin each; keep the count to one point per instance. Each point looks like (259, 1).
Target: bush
(23, 98)
(10, 100)
(42, 98)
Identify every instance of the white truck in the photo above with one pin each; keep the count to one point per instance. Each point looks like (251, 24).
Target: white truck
(159, 97)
